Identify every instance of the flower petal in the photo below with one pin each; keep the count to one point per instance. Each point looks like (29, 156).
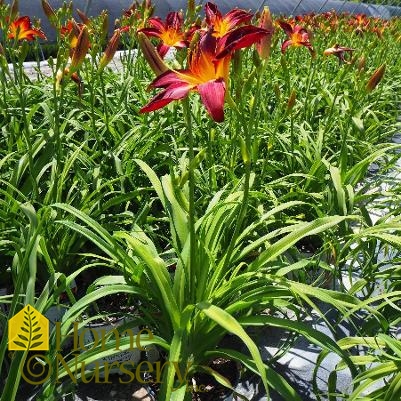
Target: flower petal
(239, 38)
(174, 92)
(155, 32)
(286, 27)
(156, 23)
(212, 13)
(212, 94)
(285, 45)
(236, 17)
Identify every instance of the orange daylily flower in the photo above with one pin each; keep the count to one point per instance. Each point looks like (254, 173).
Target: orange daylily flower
(340, 52)
(21, 29)
(207, 72)
(224, 24)
(297, 36)
(170, 32)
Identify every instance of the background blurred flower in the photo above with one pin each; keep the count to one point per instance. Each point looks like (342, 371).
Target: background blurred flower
(223, 24)
(297, 36)
(340, 52)
(169, 32)
(21, 29)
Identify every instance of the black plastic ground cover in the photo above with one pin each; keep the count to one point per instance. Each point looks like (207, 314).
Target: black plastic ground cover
(115, 8)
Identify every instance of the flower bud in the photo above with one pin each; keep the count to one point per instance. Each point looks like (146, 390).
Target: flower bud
(105, 24)
(81, 49)
(263, 47)
(376, 78)
(151, 55)
(49, 12)
(361, 64)
(111, 49)
(291, 101)
(277, 91)
(83, 16)
(14, 10)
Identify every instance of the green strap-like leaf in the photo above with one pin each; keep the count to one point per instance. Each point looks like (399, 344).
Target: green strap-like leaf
(228, 322)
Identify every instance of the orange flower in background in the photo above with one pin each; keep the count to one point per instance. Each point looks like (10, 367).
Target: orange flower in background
(21, 29)
(169, 32)
(340, 52)
(360, 22)
(224, 24)
(297, 36)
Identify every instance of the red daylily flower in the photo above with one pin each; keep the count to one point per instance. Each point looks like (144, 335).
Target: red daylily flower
(170, 32)
(297, 36)
(207, 72)
(204, 74)
(223, 24)
(340, 52)
(21, 28)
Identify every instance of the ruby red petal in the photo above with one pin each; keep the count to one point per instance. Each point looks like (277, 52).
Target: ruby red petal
(162, 49)
(212, 94)
(155, 32)
(236, 17)
(239, 38)
(157, 23)
(212, 13)
(285, 45)
(173, 92)
(286, 27)
(166, 79)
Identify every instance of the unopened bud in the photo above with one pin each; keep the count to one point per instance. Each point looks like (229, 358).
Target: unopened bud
(291, 101)
(111, 49)
(83, 16)
(194, 40)
(361, 64)
(277, 91)
(191, 9)
(49, 12)
(81, 49)
(376, 78)
(105, 24)
(14, 10)
(151, 55)
(263, 47)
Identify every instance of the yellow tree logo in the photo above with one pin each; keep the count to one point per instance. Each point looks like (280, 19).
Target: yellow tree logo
(28, 330)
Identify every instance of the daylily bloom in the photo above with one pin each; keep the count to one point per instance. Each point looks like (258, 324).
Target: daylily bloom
(170, 32)
(297, 36)
(207, 72)
(339, 51)
(21, 28)
(204, 74)
(223, 24)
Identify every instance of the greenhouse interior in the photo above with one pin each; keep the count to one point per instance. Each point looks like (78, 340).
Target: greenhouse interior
(200, 200)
